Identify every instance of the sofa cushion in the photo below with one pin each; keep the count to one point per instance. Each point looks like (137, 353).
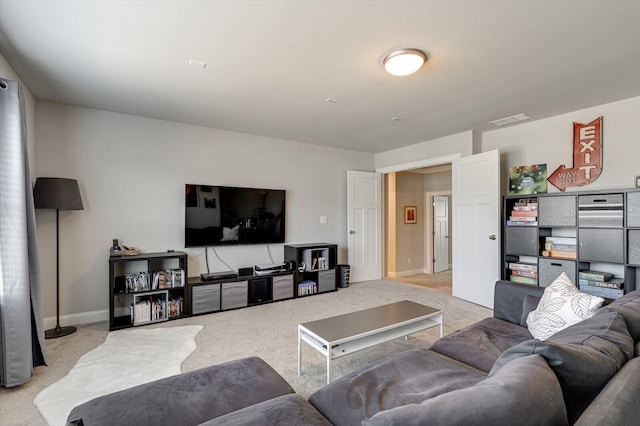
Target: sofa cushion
(617, 404)
(288, 409)
(584, 357)
(508, 299)
(561, 306)
(525, 392)
(406, 378)
(189, 398)
(629, 307)
(606, 331)
(480, 344)
(529, 305)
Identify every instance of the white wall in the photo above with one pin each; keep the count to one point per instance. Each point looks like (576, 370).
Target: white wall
(409, 237)
(460, 143)
(550, 141)
(132, 172)
(440, 181)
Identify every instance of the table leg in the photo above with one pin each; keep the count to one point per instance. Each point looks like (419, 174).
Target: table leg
(299, 354)
(441, 325)
(328, 364)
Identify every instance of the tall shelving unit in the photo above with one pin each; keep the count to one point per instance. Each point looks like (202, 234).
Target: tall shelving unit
(133, 297)
(573, 233)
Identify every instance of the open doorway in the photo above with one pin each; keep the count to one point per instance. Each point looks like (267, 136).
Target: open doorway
(419, 252)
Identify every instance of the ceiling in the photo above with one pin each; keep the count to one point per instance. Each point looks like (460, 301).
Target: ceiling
(270, 65)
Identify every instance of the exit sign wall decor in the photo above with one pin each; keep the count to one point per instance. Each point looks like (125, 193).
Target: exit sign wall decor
(587, 157)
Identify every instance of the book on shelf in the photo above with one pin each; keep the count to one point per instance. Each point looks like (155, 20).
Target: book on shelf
(561, 240)
(521, 223)
(526, 213)
(610, 293)
(595, 276)
(566, 247)
(563, 254)
(524, 202)
(307, 287)
(523, 280)
(136, 282)
(529, 274)
(523, 218)
(170, 278)
(527, 208)
(148, 310)
(523, 266)
(176, 307)
(612, 283)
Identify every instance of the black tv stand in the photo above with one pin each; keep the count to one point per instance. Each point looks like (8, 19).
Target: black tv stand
(239, 291)
(248, 288)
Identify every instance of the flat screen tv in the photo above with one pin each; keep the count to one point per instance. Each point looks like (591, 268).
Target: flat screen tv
(222, 215)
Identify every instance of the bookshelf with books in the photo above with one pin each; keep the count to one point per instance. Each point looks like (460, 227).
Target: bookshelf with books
(147, 288)
(576, 233)
(315, 267)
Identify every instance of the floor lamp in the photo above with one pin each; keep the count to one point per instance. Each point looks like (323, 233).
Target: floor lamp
(58, 194)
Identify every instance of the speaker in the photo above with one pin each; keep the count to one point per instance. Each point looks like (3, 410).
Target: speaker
(259, 290)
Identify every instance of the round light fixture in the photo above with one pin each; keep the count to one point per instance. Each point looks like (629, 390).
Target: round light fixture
(401, 62)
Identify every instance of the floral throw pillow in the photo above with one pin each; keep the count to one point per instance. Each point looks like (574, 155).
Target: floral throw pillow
(560, 306)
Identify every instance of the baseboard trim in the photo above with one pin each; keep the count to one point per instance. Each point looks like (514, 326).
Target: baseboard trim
(403, 274)
(77, 319)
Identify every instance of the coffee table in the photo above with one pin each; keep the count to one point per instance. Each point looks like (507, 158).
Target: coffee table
(342, 335)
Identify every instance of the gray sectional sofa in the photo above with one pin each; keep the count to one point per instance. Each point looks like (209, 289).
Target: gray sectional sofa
(490, 373)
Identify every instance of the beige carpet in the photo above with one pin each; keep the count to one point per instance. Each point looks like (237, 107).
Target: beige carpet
(440, 281)
(268, 331)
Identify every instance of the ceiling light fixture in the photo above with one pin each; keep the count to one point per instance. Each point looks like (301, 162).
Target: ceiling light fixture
(401, 62)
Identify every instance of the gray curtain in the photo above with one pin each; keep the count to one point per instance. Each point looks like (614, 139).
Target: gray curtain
(21, 328)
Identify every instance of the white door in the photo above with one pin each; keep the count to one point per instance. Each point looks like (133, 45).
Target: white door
(364, 224)
(476, 227)
(440, 233)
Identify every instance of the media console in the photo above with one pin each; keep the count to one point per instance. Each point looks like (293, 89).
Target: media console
(151, 287)
(242, 291)
(313, 273)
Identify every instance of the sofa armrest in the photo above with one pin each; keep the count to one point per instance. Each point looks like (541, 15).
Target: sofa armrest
(186, 399)
(509, 298)
(617, 404)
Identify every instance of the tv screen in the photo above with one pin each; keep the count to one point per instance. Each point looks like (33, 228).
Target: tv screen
(222, 215)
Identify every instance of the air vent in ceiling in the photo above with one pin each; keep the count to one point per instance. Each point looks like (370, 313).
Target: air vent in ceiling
(511, 119)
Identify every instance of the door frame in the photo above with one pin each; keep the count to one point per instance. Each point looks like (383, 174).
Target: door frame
(404, 167)
(429, 248)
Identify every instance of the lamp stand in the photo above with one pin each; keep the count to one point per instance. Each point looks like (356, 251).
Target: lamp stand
(58, 331)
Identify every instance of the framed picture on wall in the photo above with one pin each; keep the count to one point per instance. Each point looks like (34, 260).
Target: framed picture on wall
(528, 179)
(410, 214)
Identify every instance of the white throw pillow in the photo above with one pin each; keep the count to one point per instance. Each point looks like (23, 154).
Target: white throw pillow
(230, 234)
(560, 306)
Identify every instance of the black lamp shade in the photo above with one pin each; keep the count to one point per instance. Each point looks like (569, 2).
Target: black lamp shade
(57, 193)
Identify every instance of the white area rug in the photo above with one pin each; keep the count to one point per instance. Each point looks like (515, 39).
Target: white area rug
(126, 358)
